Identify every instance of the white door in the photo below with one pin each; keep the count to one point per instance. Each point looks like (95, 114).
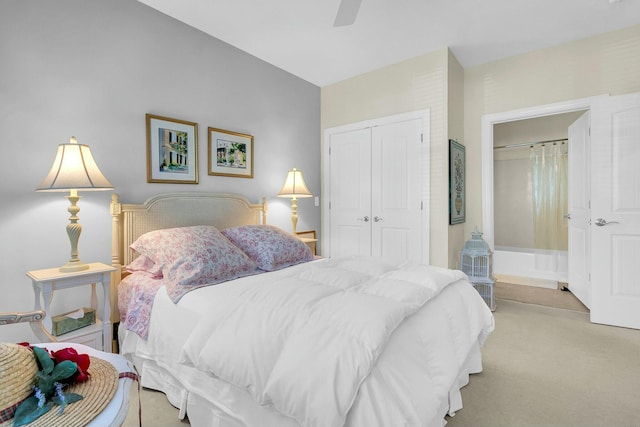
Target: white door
(396, 188)
(579, 196)
(615, 211)
(350, 189)
(376, 188)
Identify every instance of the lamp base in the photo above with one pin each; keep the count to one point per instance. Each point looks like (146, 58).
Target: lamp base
(73, 231)
(294, 214)
(72, 266)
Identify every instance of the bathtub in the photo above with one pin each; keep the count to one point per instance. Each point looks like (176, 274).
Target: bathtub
(532, 267)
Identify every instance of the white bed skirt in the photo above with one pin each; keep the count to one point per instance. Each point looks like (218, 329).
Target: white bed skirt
(214, 411)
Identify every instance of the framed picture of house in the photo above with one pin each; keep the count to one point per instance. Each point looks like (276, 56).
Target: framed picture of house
(172, 150)
(230, 153)
(457, 182)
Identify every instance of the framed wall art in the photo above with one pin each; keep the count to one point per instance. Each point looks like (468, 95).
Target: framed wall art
(457, 183)
(230, 153)
(172, 150)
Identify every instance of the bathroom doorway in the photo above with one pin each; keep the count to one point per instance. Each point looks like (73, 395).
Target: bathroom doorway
(612, 232)
(530, 160)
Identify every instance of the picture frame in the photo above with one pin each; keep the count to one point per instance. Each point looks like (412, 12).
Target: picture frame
(230, 153)
(457, 182)
(172, 150)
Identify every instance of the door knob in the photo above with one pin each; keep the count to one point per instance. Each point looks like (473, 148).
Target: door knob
(601, 222)
(365, 219)
(377, 219)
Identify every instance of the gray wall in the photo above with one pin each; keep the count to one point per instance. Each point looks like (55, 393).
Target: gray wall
(93, 68)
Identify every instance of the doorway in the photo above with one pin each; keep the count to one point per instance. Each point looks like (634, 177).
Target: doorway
(531, 200)
(489, 123)
(613, 220)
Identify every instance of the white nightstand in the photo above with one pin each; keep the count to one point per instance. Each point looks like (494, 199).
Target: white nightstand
(45, 282)
(309, 239)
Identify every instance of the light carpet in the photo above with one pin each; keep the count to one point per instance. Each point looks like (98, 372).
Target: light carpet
(546, 366)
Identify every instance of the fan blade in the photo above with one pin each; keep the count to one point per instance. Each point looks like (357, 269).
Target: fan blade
(347, 13)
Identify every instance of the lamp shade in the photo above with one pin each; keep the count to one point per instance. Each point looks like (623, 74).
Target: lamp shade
(294, 186)
(74, 169)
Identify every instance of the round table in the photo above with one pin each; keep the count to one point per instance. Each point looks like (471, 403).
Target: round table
(116, 411)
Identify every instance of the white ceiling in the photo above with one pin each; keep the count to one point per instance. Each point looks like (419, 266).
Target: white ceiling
(298, 35)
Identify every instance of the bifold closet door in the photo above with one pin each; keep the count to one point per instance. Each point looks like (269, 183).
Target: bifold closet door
(350, 157)
(396, 187)
(376, 187)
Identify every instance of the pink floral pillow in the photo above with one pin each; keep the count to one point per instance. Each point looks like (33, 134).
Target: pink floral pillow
(270, 247)
(193, 256)
(144, 263)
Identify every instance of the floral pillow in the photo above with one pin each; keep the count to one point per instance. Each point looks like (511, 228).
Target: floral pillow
(144, 263)
(269, 246)
(193, 256)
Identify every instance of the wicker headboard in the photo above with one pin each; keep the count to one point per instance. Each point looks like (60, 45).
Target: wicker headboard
(129, 221)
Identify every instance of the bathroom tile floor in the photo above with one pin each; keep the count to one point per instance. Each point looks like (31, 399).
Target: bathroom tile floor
(540, 296)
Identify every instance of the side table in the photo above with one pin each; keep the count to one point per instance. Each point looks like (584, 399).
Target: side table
(309, 239)
(46, 282)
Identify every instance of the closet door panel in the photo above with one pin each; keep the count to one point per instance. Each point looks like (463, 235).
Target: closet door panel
(350, 156)
(396, 188)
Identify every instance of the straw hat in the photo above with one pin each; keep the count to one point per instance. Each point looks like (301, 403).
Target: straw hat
(97, 392)
(18, 369)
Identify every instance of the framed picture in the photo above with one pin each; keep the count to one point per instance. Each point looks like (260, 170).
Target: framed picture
(230, 153)
(457, 182)
(172, 150)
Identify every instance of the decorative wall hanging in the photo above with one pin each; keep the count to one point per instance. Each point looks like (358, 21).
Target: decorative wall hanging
(172, 150)
(457, 182)
(230, 153)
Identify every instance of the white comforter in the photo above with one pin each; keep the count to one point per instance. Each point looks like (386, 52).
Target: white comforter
(307, 340)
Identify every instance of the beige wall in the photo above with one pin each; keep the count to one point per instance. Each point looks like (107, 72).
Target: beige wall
(609, 63)
(455, 124)
(412, 85)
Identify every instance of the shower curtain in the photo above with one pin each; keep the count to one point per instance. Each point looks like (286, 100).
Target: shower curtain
(549, 190)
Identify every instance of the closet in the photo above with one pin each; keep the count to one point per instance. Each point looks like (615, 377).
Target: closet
(376, 182)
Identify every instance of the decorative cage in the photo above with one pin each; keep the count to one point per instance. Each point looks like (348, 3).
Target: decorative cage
(486, 292)
(475, 259)
(476, 262)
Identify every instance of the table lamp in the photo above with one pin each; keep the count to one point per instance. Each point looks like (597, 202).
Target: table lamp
(74, 170)
(293, 188)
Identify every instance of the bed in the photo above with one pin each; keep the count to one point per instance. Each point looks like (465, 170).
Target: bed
(290, 339)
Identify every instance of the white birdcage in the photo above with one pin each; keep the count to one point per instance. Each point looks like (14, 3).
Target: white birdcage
(476, 262)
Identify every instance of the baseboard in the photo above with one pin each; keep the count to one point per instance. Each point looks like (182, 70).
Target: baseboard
(527, 281)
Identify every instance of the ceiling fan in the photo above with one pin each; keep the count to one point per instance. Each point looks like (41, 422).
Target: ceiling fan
(347, 12)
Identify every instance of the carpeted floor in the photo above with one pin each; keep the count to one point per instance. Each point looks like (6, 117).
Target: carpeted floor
(543, 366)
(156, 410)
